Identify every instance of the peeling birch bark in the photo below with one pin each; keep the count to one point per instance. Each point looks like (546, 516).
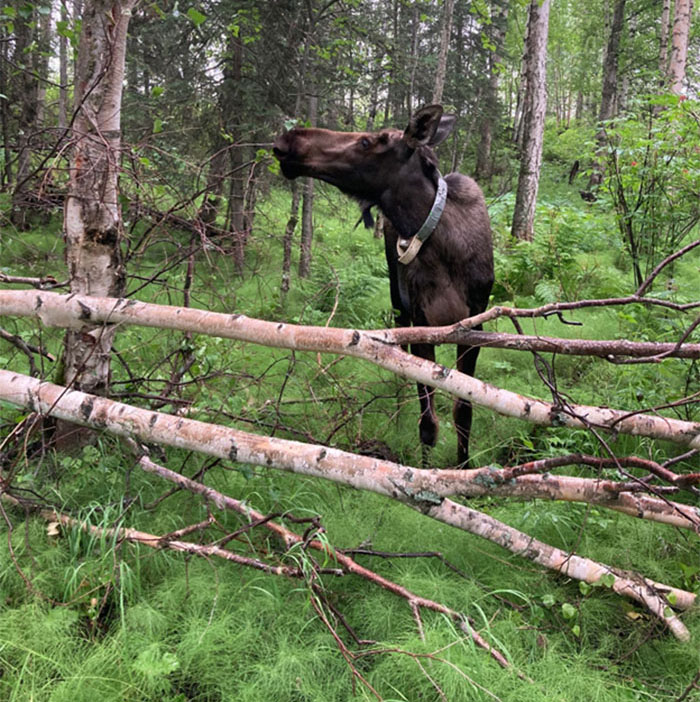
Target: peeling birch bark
(92, 219)
(403, 483)
(654, 596)
(362, 472)
(377, 347)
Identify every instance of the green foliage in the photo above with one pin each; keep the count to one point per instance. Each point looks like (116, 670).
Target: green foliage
(653, 177)
(567, 145)
(567, 258)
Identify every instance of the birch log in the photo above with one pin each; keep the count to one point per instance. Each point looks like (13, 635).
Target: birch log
(377, 347)
(403, 483)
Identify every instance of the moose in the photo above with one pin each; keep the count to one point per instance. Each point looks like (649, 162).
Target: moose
(437, 233)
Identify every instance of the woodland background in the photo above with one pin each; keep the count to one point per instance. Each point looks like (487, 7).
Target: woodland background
(580, 121)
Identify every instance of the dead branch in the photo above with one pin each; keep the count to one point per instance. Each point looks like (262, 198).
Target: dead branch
(27, 349)
(160, 542)
(290, 538)
(46, 283)
(610, 350)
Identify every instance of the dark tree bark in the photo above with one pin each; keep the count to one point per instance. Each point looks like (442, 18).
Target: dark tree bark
(608, 102)
(534, 108)
(289, 239)
(663, 39)
(4, 108)
(231, 110)
(26, 95)
(63, 72)
(307, 85)
(612, 55)
(307, 205)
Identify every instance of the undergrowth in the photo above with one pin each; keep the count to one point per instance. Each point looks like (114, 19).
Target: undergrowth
(83, 618)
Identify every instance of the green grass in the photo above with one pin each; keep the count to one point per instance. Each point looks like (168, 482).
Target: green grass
(121, 622)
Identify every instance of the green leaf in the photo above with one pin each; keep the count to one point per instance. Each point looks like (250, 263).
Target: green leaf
(568, 611)
(608, 580)
(584, 588)
(157, 90)
(576, 630)
(548, 600)
(195, 16)
(157, 126)
(63, 28)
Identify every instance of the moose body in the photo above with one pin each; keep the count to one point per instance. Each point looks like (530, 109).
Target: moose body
(451, 275)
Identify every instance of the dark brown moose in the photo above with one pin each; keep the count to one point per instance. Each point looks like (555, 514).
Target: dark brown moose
(440, 262)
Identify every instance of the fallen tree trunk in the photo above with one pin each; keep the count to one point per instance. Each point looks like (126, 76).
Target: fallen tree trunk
(423, 490)
(378, 347)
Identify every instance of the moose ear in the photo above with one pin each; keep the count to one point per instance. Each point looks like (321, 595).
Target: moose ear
(429, 126)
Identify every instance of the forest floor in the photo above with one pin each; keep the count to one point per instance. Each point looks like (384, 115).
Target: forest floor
(86, 618)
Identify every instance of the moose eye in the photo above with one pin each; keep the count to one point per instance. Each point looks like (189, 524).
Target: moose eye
(364, 143)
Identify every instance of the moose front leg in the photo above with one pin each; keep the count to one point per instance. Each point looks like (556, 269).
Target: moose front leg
(428, 422)
(462, 412)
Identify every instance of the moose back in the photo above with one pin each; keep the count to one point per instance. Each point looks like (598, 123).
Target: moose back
(437, 234)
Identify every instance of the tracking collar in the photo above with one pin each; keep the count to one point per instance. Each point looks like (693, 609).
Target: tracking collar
(406, 250)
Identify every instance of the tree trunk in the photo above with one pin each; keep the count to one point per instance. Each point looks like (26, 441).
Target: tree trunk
(230, 105)
(610, 64)
(521, 96)
(415, 25)
(41, 65)
(307, 205)
(92, 218)
(663, 39)
(288, 240)
(4, 109)
(608, 102)
(679, 45)
(444, 49)
(489, 114)
(25, 93)
(63, 73)
(534, 109)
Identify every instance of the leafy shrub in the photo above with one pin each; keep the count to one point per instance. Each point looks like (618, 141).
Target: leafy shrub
(653, 177)
(556, 265)
(566, 146)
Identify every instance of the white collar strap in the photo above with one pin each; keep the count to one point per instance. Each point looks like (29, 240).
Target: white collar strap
(406, 250)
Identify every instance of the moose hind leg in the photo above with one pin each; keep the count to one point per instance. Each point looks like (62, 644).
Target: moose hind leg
(466, 363)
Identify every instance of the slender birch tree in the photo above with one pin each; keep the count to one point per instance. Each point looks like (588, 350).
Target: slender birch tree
(92, 218)
(683, 10)
(444, 47)
(534, 108)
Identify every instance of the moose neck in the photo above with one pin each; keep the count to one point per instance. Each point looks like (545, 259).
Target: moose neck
(410, 202)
